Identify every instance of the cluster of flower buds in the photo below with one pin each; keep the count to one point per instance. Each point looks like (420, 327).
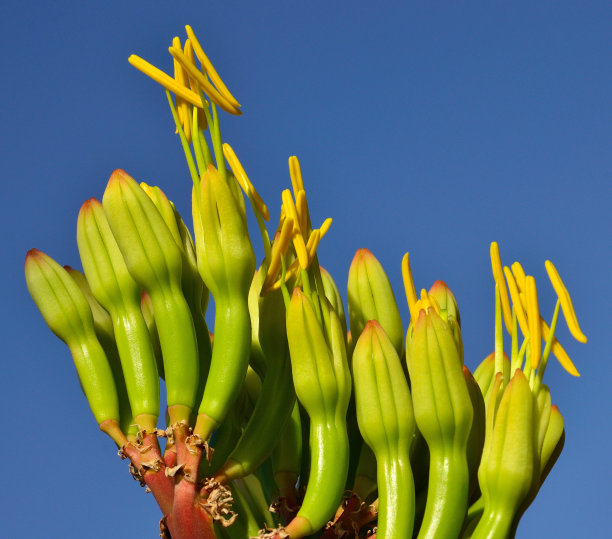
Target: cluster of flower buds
(286, 422)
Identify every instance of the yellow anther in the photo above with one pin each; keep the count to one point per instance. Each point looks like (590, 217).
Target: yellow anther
(244, 181)
(313, 243)
(558, 350)
(165, 80)
(301, 206)
(566, 302)
(296, 174)
(498, 275)
(426, 302)
(201, 79)
(411, 296)
(291, 211)
(519, 276)
(533, 318)
(148, 190)
(300, 250)
(182, 107)
(325, 226)
(516, 301)
(209, 69)
(279, 248)
(291, 271)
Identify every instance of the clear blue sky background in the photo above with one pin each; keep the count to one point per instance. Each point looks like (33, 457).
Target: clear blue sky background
(429, 127)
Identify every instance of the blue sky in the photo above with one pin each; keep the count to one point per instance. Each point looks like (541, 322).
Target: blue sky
(433, 128)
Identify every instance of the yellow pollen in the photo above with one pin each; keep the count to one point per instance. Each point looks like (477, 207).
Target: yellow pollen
(201, 79)
(566, 302)
(244, 181)
(165, 80)
(498, 275)
(209, 69)
(411, 296)
(533, 317)
(296, 174)
(516, 301)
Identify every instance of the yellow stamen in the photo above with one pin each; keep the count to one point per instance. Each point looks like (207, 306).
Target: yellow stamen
(165, 80)
(426, 302)
(566, 302)
(244, 181)
(519, 276)
(296, 174)
(182, 107)
(516, 301)
(313, 243)
(411, 296)
(325, 226)
(558, 350)
(289, 274)
(291, 211)
(206, 86)
(498, 275)
(209, 69)
(533, 318)
(279, 248)
(300, 250)
(301, 206)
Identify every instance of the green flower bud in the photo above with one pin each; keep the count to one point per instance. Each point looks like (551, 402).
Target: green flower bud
(332, 293)
(370, 297)
(67, 313)
(154, 260)
(323, 386)
(509, 462)
(444, 413)
(386, 421)
(446, 301)
(119, 294)
(226, 260)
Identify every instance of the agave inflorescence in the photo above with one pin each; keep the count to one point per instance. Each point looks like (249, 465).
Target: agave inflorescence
(284, 423)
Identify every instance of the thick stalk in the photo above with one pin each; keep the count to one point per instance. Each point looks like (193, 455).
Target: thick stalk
(328, 469)
(446, 496)
(396, 499)
(230, 359)
(179, 348)
(494, 524)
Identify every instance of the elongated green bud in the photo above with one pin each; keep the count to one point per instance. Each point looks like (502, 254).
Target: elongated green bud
(226, 263)
(386, 421)
(67, 313)
(446, 301)
(103, 326)
(370, 297)
(323, 386)
(115, 289)
(443, 412)
(509, 460)
(154, 260)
